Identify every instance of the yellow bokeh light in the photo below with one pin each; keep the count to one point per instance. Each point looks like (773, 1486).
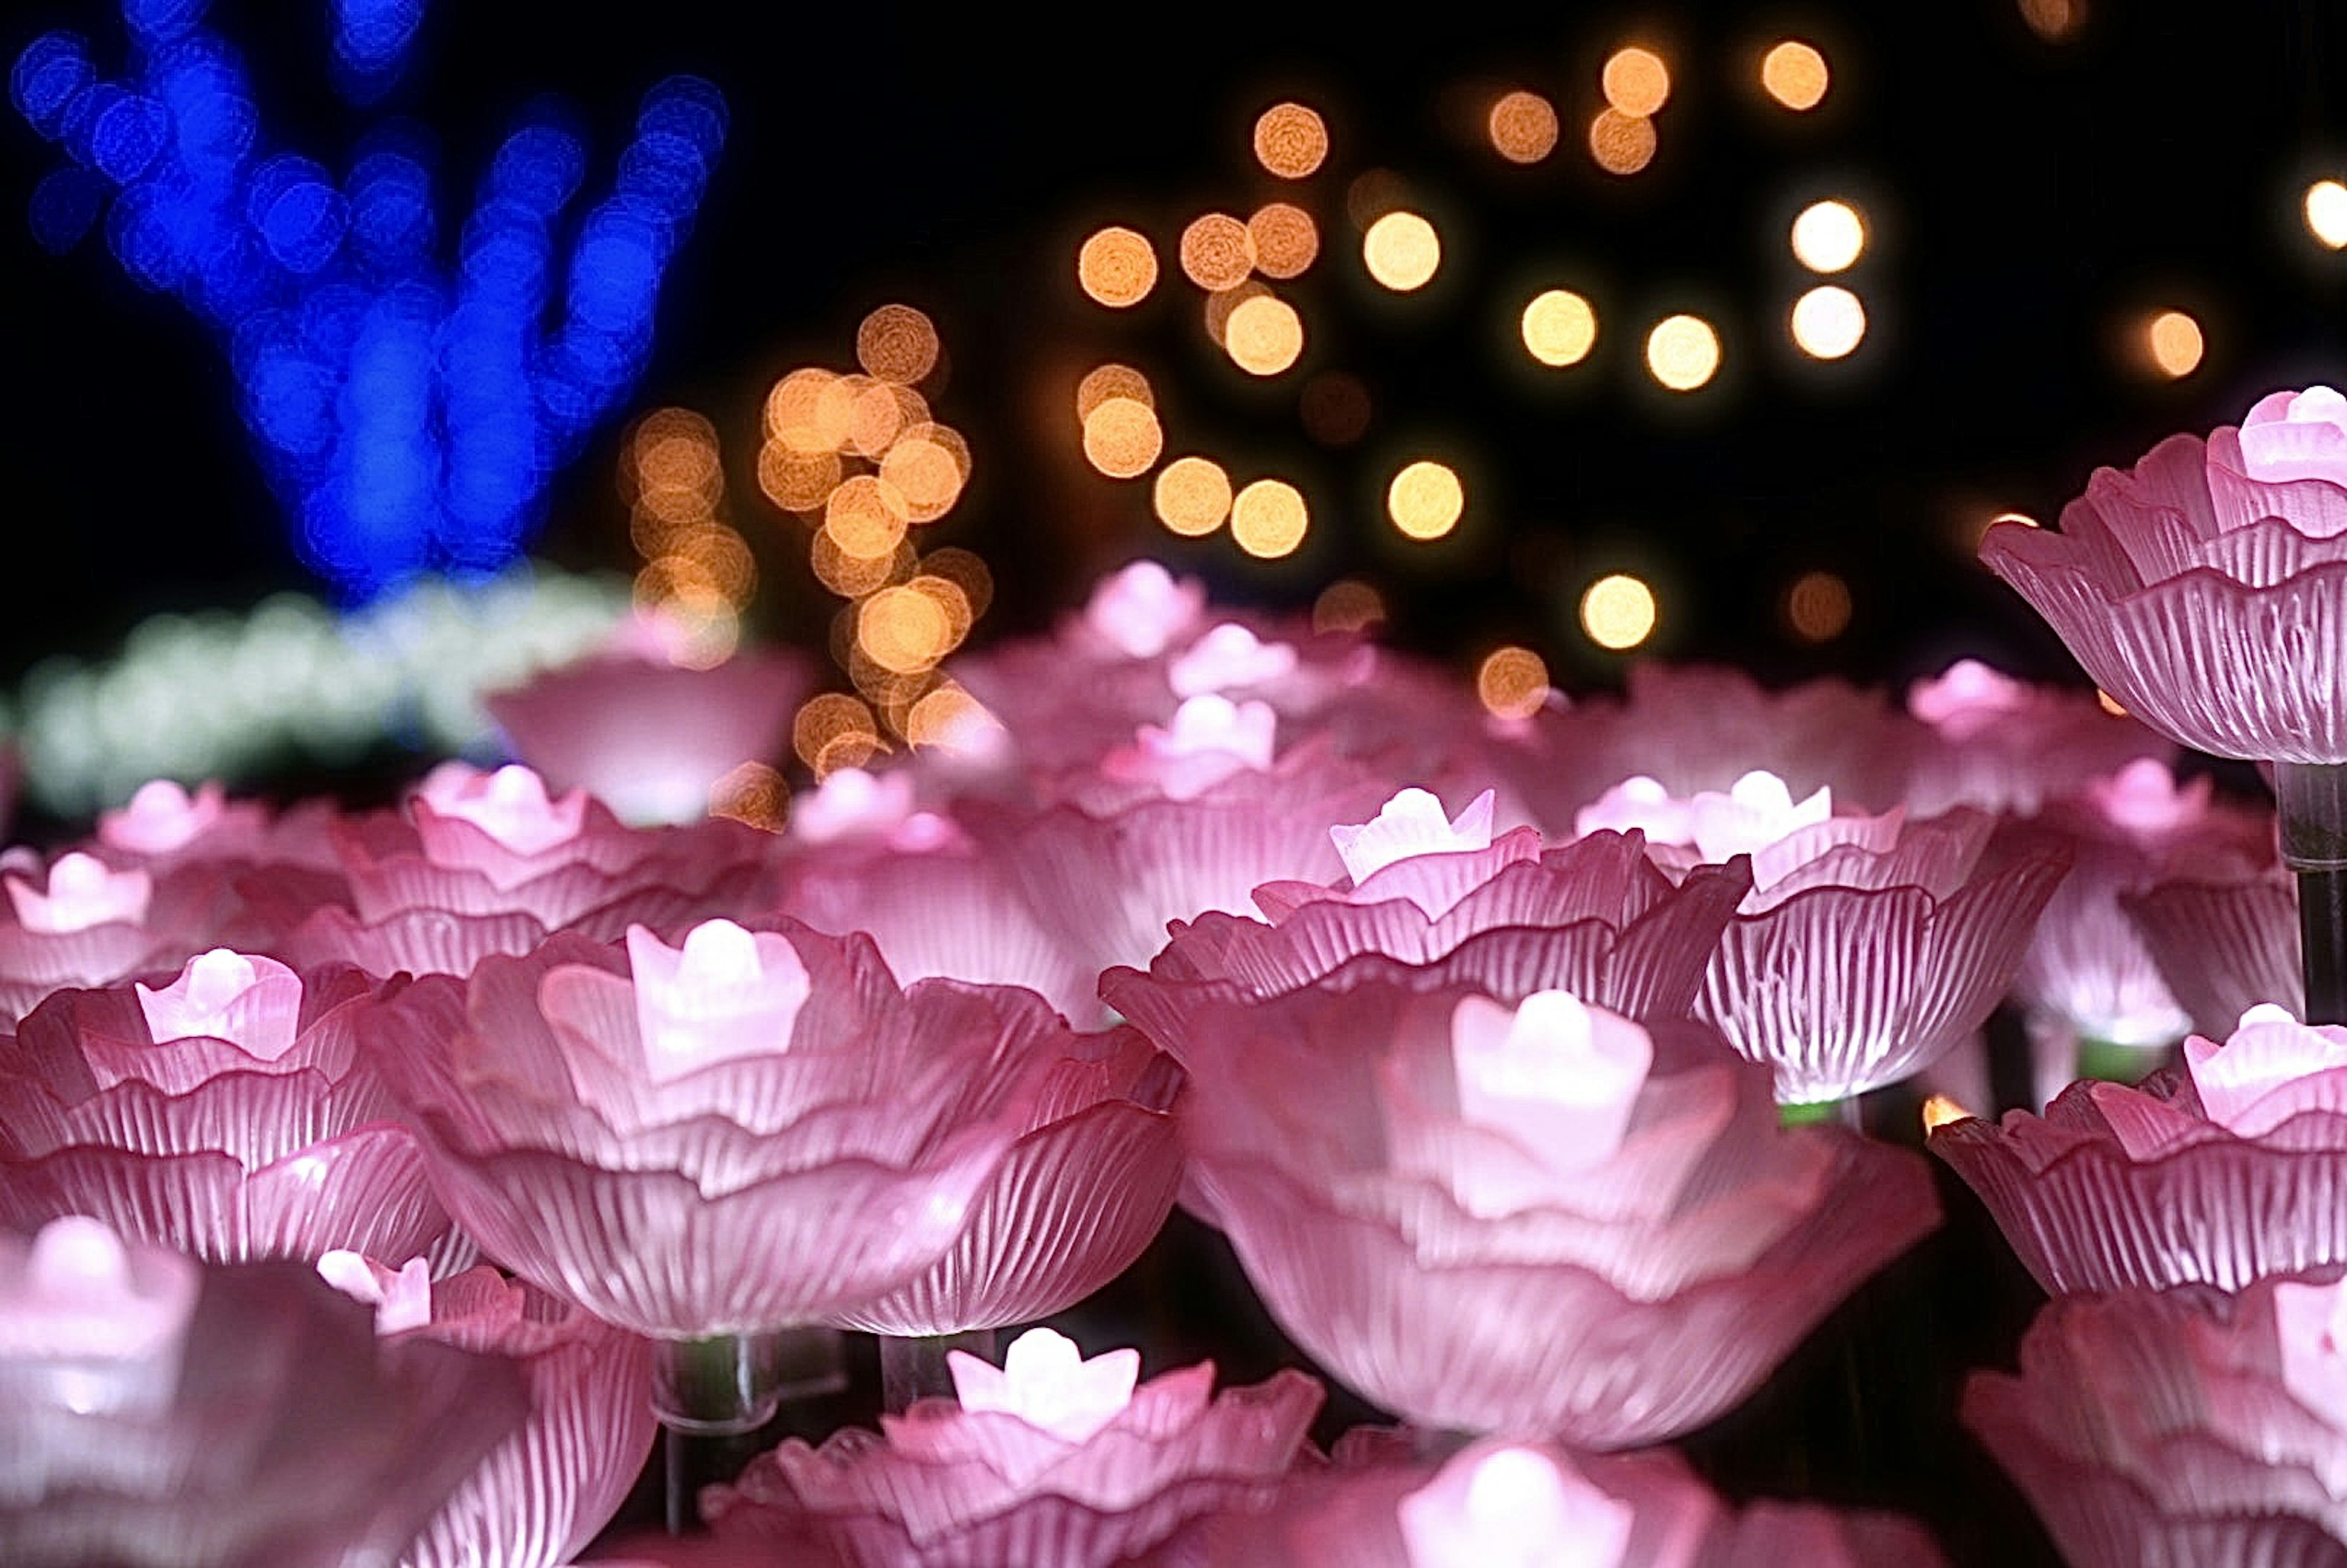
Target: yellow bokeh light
(2055, 21)
(753, 794)
(1523, 127)
(796, 481)
(1264, 335)
(1512, 682)
(951, 439)
(903, 629)
(2325, 208)
(1290, 140)
(1117, 266)
(951, 602)
(1683, 351)
(966, 572)
(1636, 81)
(831, 726)
(1817, 607)
(1192, 496)
(1795, 75)
(1828, 321)
(724, 559)
(1402, 250)
(854, 576)
(1287, 240)
(1269, 518)
(1620, 143)
(1426, 499)
(1828, 236)
(874, 418)
(1104, 382)
(794, 413)
(1559, 327)
(945, 715)
(923, 473)
(897, 344)
(2175, 343)
(1123, 438)
(1349, 606)
(866, 517)
(1222, 302)
(1618, 611)
(1217, 251)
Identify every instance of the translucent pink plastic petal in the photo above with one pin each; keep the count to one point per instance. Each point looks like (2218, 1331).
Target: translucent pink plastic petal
(2223, 947)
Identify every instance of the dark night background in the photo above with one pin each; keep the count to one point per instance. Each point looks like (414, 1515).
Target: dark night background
(2030, 203)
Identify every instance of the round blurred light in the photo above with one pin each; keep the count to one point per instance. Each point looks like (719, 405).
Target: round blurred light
(1402, 250)
(1426, 500)
(1620, 143)
(1286, 241)
(897, 344)
(1222, 302)
(1264, 335)
(833, 731)
(794, 415)
(1117, 266)
(1618, 611)
(1683, 351)
(2055, 21)
(1217, 251)
(1828, 321)
(1817, 607)
(1269, 519)
(1828, 236)
(1122, 438)
(1290, 140)
(1559, 327)
(1192, 496)
(1636, 81)
(1795, 75)
(1348, 605)
(2176, 343)
(2326, 212)
(925, 474)
(1104, 382)
(866, 517)
(903, 629)
(794, 481)
(1512, 682)
(1523, 127)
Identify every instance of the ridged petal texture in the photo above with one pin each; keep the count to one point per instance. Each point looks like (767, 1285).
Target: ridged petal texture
(290, 1439)
(761, 1191)
(1634, 1300)
(189, 911)
(544, 1493)
(2208, 1207)
(1844, 987)
(2222, 626)
(2158, 1429)
(2224, 946)
(953, 1489)
(195, 1144)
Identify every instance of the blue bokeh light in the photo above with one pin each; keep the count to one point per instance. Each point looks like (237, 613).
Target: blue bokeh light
(409, 412)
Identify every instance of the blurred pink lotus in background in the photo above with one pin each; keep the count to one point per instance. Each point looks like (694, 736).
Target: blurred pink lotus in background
(2007, 745)
(2231, 1173)
(2226, 938)
(1053, 1460)
(2180, 1428)
(231, 1114)
(80, 922)
(540, 1496)
(1539, 1220)
(157, 1414)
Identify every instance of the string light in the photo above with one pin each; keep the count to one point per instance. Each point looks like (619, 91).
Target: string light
(1817, 607)
(1123, 438)
(1217, 251)
(1264, 335)
(1348, 605)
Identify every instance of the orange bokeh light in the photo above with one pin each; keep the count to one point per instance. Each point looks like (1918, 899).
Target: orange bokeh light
(1264, 335)
(854, 576)
(1795, 75)
(753, 794)
(1104, 382)
(834, 730)
(1426, 499)
(966, 572)
(1523, 127)
(1291, 141)
(945, 716)
(1348, 605)
(923, 473)
(1117, 266)
(1269, 518)
(1123, 438)
(1621, 144)
(903, 629)
(874, 418)
(1817, 607)
(1402, 250)
(1192, 496)
(1335, 408)
(795, 481)
(1287, 240)
(866, 516)
(1636, 81)
(792, 412)
(1217, 251)
(897, 344)
(1512, 682)
(1222, 302)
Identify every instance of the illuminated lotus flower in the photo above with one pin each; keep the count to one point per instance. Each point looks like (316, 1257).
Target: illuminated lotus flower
(87, 923)
(163, 821)
(752, 1131)
(1211, 739)
(541, 1495)
(2206, 589)
(859, 858)
(1594, 916)
(2225, 937)
(157, 1415)
(1053, 1460)
(1542, 1220)
(1924, 930)
(2180, 1428)
(1503, 1504)
(2221, 1176)
(650, 738)
(229, 1115)
(2006, 745)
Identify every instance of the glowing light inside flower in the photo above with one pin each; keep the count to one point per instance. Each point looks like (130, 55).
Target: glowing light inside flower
(2144, 799)
(1291, 141)
(1411, 824)
(2175, 343)
(1559, 328)
(1523, 127)
(1512, 682)
(511, 804)
(1939, 1110)
(1795, 75)
(1123, 438)
(1966, 697)
(1287, 240)
(1402, 250)
(1227, 658)
(2311, 1326)
(1827, 322)
(1349, 606)
(2325, 210)
(724, 993)
(1828, 236)
(1264, 335)
(401, 1299)
(253, 1002)
(1756, 812)
(82, 892)
(1048, 1383)
(1817, 607)
(161, 817)
(111, 1320)
(1618, 611)
(1425, 500)
(1620, 143)
(1683, 351)
(2272, 1068)
(1638, 802)
(1116, 267)
(1192, 496)
(1635, 81)
(1513, 1508)
(2297, 435)
(1211, 724)
(1269, 518)
(850, 802)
